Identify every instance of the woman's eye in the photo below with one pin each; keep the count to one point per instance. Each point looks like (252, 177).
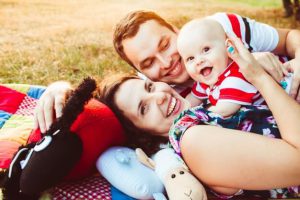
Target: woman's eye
(206, 49)
(190, 58)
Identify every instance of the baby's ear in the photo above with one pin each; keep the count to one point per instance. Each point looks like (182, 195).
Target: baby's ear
(144, 159)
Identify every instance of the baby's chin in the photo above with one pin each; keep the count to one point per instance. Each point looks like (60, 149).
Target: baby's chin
(197, 78)
(211, 81)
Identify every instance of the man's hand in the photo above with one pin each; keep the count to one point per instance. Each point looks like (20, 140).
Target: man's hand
(50, 105)
(293, 66)
(271, 64)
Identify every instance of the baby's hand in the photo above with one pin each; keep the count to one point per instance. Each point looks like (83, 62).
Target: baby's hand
(293, 66)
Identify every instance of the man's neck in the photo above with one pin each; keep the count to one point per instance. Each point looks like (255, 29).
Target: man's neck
(188, 83)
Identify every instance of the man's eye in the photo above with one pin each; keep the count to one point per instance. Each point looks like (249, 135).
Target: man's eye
(148, 63)
(206, 49)
(165, 45)
(190, 58)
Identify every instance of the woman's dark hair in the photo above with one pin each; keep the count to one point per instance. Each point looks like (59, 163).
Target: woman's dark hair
(136, 137)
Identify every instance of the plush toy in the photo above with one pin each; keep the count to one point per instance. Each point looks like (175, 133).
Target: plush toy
(67, 147)
(179, 183)
(120, 166)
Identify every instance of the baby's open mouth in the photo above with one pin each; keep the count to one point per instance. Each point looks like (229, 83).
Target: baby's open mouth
(206, 71)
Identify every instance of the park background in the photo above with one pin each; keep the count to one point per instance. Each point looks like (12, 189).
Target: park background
(42, 41)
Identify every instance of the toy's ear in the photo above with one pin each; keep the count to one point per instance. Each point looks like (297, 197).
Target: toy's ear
(138, 181)
(144, 159)
(184, 166)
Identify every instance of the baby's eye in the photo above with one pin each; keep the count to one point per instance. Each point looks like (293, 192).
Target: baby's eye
(150, 86)
(190, 58)
(206, 49)
(144, 109)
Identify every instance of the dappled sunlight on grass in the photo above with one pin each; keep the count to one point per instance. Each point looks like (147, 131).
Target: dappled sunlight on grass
(43, 41)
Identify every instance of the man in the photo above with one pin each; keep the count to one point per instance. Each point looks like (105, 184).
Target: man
(148, 43)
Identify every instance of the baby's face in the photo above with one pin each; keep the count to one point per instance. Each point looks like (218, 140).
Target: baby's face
(204, 54)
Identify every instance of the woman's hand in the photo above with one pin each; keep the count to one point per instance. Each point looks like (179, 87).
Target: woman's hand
(50, 105)
(271, 64)
(248, 65)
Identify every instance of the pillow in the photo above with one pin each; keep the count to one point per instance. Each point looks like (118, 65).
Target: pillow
(99, 129)
(120, 166)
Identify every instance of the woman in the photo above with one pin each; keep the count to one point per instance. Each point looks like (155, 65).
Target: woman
(221, 158)
(225, 160)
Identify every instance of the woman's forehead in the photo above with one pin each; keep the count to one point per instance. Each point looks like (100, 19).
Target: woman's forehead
(129, 96)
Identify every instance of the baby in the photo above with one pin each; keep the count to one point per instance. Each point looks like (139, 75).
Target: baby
(203, 46)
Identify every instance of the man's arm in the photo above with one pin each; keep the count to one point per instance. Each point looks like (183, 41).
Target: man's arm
(289, 44)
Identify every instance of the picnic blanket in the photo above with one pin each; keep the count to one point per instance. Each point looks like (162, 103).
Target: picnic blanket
(17, 103)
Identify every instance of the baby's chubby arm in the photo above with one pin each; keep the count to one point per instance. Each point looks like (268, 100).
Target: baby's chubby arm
(194, 101)
(225, 109)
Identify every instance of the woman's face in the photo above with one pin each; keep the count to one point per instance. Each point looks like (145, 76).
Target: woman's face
(152, 106)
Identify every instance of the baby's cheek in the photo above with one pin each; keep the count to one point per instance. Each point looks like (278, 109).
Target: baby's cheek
(190, 69)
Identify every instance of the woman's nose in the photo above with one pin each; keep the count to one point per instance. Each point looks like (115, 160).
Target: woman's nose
(159, 97)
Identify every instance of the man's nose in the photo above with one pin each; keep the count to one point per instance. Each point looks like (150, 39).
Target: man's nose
(165, 62)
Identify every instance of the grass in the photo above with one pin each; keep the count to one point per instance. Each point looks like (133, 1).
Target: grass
(43, 41)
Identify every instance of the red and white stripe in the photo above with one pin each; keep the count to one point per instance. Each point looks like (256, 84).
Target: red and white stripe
(257, 37)
(231, 87)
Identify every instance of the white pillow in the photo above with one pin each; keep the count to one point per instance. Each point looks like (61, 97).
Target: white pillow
(120, 166)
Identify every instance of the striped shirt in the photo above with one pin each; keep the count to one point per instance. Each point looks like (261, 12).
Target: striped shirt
(230, 87)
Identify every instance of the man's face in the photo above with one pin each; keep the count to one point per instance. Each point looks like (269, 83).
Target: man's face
(153, 52)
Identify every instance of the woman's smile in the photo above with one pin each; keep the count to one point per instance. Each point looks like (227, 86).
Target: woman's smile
(160, 104)
(174, 107)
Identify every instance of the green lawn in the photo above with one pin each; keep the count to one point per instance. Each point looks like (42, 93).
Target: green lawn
(43, 41)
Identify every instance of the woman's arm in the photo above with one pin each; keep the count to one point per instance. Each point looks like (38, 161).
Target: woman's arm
(274, 95)
(50, 104)
(234, 159)
(224, 158)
